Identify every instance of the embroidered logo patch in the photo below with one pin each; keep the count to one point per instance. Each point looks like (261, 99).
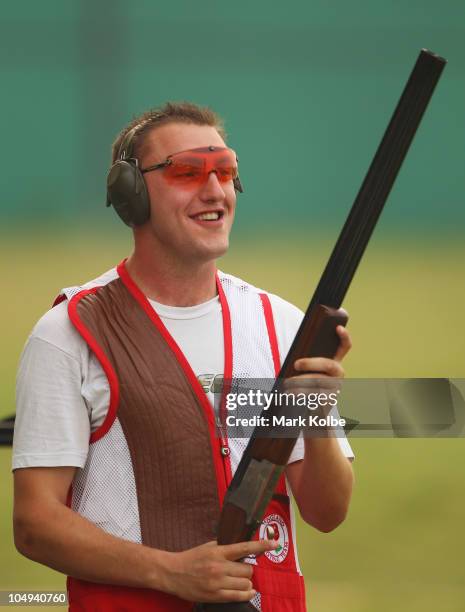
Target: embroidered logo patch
(281, 534)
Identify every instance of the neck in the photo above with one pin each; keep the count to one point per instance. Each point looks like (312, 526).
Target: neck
(172, 283)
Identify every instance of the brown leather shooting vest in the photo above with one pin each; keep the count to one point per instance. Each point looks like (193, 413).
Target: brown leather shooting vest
(162, 421)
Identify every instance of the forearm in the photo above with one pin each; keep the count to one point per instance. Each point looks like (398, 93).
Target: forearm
(324, 487)
(65, 541)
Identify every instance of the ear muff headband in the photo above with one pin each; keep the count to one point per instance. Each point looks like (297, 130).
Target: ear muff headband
(126, 188)
(126, 146)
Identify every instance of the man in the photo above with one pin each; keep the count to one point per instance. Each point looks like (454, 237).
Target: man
(119, 471)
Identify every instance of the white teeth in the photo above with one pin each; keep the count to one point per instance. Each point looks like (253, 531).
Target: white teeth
(211, 216)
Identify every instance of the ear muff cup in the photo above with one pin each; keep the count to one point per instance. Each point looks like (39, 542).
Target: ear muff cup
(127, 192)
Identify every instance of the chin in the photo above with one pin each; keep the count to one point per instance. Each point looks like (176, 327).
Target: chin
(212, 252)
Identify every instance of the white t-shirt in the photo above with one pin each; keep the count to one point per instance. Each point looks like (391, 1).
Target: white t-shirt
(63, 393)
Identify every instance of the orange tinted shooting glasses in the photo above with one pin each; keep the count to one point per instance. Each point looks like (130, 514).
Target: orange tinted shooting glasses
(193, 167)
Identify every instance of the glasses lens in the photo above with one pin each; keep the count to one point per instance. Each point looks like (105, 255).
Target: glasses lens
(184, 170)
(225, 165)
(193, 167)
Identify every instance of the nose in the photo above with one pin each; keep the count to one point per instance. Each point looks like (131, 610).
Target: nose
(211, 190)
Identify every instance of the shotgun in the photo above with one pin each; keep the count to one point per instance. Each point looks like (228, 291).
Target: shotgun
(265, 458)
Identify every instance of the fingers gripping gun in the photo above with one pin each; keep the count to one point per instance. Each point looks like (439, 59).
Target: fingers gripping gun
(265, 458)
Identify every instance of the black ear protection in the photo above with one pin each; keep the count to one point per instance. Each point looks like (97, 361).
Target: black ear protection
(126, 188)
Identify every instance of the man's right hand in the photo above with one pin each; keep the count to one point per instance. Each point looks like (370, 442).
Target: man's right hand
(212, 573)
(49, 532)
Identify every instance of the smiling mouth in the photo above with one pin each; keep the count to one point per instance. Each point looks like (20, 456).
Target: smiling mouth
(215, 215)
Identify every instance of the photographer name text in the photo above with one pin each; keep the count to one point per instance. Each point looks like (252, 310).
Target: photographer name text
(282, 421)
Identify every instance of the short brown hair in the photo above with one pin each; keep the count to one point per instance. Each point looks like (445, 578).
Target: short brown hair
(170, 112)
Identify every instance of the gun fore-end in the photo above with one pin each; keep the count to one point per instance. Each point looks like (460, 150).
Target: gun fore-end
(317, 337)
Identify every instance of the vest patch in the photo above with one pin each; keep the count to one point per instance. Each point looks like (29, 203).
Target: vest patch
(281, 534)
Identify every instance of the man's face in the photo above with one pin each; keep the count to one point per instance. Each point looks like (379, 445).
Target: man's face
(176, 222)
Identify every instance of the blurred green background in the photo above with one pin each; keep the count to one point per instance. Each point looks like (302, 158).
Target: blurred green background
(307, 90)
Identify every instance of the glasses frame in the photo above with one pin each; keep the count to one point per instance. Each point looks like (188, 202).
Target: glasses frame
(236, 181)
